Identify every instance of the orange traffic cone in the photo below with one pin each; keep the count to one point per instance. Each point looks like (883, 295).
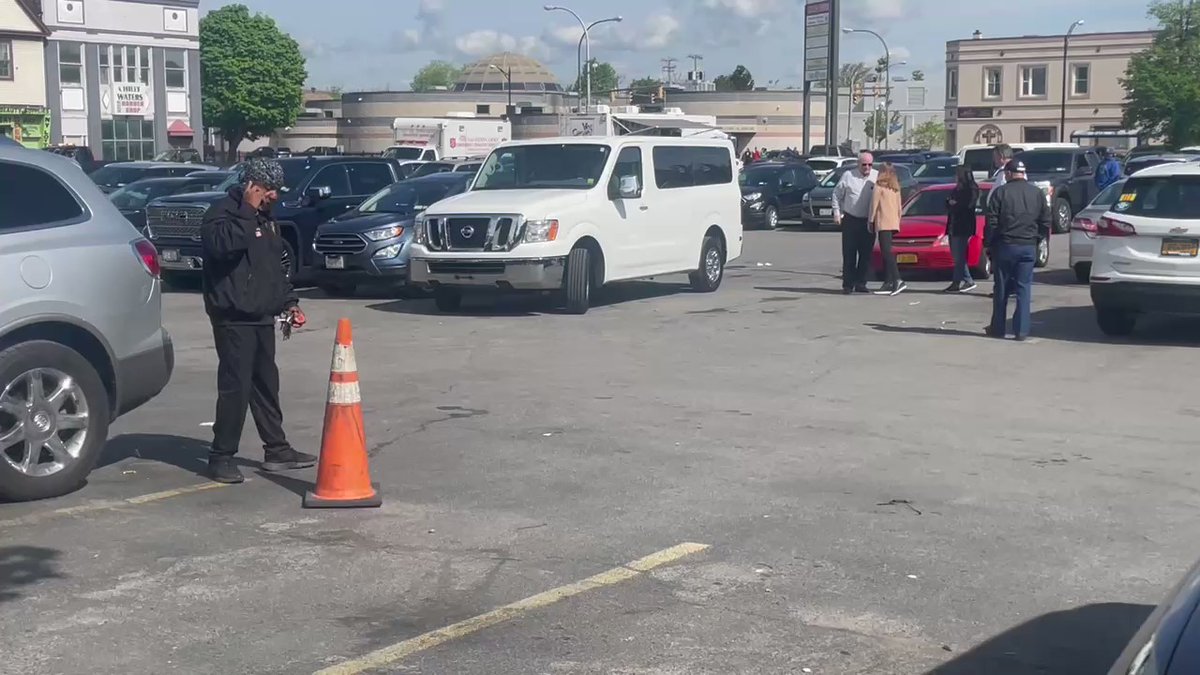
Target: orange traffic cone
(343, 479)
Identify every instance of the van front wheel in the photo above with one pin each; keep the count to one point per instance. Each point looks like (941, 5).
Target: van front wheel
(707, 278)
(577, 281)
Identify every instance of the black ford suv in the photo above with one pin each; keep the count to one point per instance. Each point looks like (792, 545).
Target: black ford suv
(317, 189)
(1067, 176)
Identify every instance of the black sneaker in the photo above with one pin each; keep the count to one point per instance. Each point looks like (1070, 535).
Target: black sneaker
(224, 470)
(286, 460)
(847, 291)
(862, 289)
(971, 285)
(953, 288)
(899, 288)
(885, 289)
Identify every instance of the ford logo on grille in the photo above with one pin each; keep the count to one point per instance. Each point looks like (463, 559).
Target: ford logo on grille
(467, 232)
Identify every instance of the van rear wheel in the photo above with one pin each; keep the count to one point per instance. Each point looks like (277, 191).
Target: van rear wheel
(707, 278)
(577, 281)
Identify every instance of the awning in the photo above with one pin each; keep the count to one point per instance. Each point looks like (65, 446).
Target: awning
(179, 128)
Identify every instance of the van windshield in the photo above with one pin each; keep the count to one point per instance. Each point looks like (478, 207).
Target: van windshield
(980, 160)
(565, 166)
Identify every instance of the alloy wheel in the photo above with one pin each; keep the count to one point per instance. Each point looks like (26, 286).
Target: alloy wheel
(712, 264)
(43, 422)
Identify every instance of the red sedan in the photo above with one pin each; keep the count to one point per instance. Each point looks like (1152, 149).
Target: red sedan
(922, 244)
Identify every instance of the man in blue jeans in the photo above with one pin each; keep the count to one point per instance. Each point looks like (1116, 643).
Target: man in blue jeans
(1018, 217)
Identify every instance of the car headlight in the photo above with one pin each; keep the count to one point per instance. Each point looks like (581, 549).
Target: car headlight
(381, 233)
(752, 197)
(388, 251)
(420, 232)
(539, 231)
(806, 198)
(942, 241)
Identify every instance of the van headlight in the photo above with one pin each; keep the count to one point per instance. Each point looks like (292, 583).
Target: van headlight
(420, 232)
(540, 231)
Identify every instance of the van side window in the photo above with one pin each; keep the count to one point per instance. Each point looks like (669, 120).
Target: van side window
(334, 178)
(367, 178)
(683, 166)
(54, 203)
(629, 163)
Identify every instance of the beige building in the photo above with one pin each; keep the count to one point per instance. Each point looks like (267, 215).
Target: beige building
(1010, 89)
(23, 113)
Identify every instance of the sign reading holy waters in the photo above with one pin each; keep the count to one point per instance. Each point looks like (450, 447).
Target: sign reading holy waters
(130, 98)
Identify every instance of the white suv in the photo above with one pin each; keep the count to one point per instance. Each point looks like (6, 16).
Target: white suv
(1146, 251)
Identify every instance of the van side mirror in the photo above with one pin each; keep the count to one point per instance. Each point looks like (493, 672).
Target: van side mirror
(315, 194)
(1084, 170)
(629, 187)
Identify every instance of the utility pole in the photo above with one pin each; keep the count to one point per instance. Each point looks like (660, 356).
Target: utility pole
(669, 70)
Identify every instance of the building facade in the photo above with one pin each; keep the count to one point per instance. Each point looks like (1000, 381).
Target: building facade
(1010, 89)
(24, 116)
(123, 76)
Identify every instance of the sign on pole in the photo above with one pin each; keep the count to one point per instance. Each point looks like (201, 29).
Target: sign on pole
(818, 42)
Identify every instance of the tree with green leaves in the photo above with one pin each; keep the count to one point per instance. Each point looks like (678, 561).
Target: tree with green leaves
(1162, 91)
(875, 126)
(739, 80)
(918, 75)
(853, 74)
(928, 134)
(604, 79)
(436, 75)
(251, 73)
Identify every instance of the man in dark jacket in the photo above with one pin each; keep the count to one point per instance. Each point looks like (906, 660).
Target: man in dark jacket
(1018, 217)
(245, 290)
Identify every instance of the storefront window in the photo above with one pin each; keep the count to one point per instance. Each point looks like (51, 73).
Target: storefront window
(70, 63)
(127, 139)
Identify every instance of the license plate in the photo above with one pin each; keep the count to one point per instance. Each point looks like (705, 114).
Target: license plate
(170, 255)
(335, 262)
(906, 259)
(825, 212)
(1180, 247)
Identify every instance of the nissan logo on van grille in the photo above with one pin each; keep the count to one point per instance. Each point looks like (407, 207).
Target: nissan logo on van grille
(467, 232)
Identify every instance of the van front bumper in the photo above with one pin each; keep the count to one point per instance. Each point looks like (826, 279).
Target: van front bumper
(521, 274)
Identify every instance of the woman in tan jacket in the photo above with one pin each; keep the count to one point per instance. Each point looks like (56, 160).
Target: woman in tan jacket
(884, 218)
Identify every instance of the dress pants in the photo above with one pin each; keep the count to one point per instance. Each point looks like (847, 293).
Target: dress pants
(1013, 265)
(247, 377)
(857, 242)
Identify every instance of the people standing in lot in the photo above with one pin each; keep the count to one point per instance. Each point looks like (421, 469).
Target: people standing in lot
(884, 220)
(1017, 217)
(1109, 170)
(245, 289)
(851, 207)
(747, 156)
(1001, 155)
(960, 227)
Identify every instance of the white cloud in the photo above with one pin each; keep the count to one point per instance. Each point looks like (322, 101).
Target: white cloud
(482, 43)
(878, 10)
(746, 9)
(899, 53)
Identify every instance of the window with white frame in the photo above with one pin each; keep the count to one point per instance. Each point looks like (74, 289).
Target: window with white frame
(952, 84)
(1033, 81)
(992, 77)
(124, 63)
(1081, 79)
(6, 60)
(175, 68)
(70, 63)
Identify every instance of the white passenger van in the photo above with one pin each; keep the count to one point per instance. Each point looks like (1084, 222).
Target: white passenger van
(572, 214)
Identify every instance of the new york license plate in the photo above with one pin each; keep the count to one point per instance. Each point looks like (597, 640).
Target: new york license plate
(826, 212)
(1180, 247)
(170, 255)
(907, 258)
(335, 262)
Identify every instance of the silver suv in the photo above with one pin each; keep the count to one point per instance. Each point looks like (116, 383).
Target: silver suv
(81, 335)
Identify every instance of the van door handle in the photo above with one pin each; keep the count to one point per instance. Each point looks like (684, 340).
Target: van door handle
(644, 208)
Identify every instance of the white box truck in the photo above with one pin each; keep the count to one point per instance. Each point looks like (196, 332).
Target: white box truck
(603, 120)
(433, 138)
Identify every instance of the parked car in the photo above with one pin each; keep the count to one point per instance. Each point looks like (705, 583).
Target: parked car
(816, 207)
(1067, 176)
(1083, 229)
(370, 245)
(569, 215)
(81, 335)
(922, 243)
(907, 159)
(774, 191)
(831, 151)
(180, 155)
(117, 175)
(1140, 162)
(823, 165)
(317, 189)
(81, 154)
(446, 166)
(979, 156)
(1168, 642)
(936, 171)
(133, 198)
(1145, 258)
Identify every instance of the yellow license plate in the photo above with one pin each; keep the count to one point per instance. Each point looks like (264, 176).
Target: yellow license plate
(1180, 247)
(907, 259)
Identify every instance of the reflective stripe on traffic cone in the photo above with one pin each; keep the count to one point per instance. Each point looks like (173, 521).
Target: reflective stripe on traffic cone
(343, 477)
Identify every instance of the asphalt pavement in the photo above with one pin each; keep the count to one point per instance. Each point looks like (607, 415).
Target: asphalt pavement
(773, 478)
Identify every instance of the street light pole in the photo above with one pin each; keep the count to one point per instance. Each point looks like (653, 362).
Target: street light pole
(507, 78)
(579, 47)
(587, 40)
(1062, 122)
(887, 87)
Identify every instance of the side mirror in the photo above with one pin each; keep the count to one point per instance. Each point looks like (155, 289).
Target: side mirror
(1084, 170)
(315, 194)
(629, 188)
(786, 185)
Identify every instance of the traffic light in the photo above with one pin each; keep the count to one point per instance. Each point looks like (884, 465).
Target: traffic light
(662, 93)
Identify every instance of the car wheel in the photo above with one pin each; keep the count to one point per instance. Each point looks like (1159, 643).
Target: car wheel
(1062, 216)
(338, 290)
(983, 270)
(1083, 272)
(54, 415)
(1043, 253)
(771, 218)
(707, 278)
(1116, 322)
(577, 281)
(447, 299)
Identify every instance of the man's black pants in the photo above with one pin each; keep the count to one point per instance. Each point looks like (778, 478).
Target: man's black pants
(857, 242)
(247, 376)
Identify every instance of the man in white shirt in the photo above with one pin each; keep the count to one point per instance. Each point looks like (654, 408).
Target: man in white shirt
(851, 206)
(1001, 154)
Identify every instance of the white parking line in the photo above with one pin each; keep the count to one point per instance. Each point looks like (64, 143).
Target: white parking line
(108, 505)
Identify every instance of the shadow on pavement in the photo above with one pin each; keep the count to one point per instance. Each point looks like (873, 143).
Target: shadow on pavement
(1081, 641)
(806, 291)
(490, 303)
(25, 566)
(926, 330)
(1078, 324)
(1058, 277)
(286, 481)
(189, 454)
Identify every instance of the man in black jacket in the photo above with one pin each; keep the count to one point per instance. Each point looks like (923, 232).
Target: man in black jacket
(245, 289)
(1018, 216)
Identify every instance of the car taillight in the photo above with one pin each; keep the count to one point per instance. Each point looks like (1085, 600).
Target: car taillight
(148, 255)
(1111, 227)
(1085, 225)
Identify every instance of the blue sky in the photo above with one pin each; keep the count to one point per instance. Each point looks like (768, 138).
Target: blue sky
(372, 44)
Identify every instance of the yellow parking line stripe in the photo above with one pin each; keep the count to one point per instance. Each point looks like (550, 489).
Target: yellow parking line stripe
(387, 655)
(109, 505)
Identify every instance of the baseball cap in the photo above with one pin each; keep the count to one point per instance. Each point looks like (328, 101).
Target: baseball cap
(1015, 166)
(265, 172)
